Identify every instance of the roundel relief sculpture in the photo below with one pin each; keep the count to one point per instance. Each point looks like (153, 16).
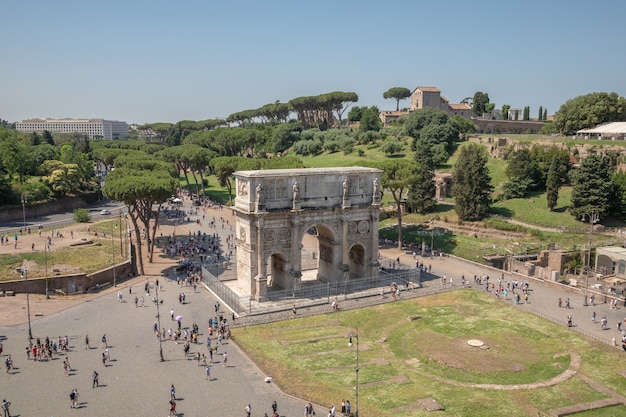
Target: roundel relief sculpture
(363, 227)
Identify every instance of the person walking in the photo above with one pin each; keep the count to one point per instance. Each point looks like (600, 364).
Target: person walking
(74, 398)
(172, 392)
(94, 378)
(207, 372)
(104, 342)
(248, 410)
(87, 342)
(274, 407)
(224, 359)
(5, 408)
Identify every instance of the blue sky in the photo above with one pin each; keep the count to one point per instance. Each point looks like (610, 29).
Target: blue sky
(165, 61)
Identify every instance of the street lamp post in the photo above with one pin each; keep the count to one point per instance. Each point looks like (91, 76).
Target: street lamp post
(25, 278)
(159, 324)
(356, 370)
(113, 254)
(593, 217)
(24, 201)
(45, 256)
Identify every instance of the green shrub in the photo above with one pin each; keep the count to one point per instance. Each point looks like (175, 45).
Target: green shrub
(81, 216)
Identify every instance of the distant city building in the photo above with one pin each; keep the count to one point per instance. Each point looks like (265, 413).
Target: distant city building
(423, 97)
(93, 128)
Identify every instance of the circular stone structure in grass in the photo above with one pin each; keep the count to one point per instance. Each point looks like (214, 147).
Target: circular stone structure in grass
(475, 342)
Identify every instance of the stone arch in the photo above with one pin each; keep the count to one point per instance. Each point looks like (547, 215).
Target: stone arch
(278, 267)
(356, 256)
(276, 208)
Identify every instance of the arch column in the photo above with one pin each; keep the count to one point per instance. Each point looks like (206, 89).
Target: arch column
(374, 265)
(296, 252)
(344, 266)
(260, 290)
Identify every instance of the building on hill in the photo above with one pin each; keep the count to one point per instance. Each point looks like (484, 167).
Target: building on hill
(93, 128)
(423, 97)
(428, 97)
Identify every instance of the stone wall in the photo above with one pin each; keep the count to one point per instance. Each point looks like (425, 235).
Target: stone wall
(507, 126)
(81, 282)
(31, 211)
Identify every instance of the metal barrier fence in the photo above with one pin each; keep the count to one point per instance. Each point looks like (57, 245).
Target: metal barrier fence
(222, 291)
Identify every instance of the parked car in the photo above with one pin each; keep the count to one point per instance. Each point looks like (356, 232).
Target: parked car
(105, 212)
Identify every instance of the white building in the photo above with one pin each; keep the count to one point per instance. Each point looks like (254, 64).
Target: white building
(93, 128)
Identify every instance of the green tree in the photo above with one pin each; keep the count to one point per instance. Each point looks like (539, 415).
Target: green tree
(17, 157)
(397, 175)
(143, 188)
(464, 125)
(355, 113)
(63, 179)
(391, 147)
(542, 159)
(522, 173)
(47, 137)
(619, 182)
(592, 188)
(397, 93)
(200, 163)
(505, 111)
(540, 114)
(479, 103)
(421, 194)
(588, 111)
(369, 121)
(436, 128)
(545, 114)
(516, 116)
(471, 185)
(224, 167)
(553, 182)
(526, 115)
(549, 128)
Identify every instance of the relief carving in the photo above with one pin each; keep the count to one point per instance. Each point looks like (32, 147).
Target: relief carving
(243, 188)
(326, 254)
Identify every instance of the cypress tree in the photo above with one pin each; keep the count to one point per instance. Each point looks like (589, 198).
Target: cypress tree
(471, 183)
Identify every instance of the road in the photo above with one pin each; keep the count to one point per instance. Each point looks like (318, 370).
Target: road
(61, 218)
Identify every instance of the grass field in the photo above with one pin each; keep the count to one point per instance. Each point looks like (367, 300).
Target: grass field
(402, 361)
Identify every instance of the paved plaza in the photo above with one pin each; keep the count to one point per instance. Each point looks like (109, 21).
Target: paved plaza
(135, 382)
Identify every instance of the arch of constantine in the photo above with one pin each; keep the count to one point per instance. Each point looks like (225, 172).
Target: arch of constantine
(274, 210)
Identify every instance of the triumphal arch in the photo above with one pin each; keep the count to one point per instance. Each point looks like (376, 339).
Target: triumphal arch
(275, 209)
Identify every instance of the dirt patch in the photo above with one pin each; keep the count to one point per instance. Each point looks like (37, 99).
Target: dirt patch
(428, 404)
(457, 354)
